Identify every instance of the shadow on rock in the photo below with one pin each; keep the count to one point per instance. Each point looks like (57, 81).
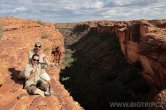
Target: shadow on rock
(14, 76)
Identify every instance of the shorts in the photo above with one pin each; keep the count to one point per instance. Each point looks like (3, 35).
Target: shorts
(31, 86)
(45, 76)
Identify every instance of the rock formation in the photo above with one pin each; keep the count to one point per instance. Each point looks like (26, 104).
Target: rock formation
(142, 42)
(18, 38)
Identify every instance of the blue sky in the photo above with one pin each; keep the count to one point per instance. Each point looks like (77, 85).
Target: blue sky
(83, 10)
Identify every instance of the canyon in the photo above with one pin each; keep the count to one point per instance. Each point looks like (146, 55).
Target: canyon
(116, 61)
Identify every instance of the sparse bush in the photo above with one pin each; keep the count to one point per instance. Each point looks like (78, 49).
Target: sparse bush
(65, 78)
(40, 22)
(44, 36)
(1, 30)
(68, 59)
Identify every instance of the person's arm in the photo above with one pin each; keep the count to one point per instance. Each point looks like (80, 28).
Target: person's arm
(30, 54)
(28, 72)
(30, 76)
(48, 62)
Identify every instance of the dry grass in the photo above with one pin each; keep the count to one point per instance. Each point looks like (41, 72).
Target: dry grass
(1, 30)
(44, 36)
(40, 22)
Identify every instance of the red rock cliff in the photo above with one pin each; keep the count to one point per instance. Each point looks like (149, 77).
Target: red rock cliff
(18, 38)
(131, 71)
(141, 41)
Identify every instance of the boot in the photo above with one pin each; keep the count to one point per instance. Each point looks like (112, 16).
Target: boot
(48, 92)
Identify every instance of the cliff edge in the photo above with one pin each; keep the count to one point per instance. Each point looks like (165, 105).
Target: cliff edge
(19, 36)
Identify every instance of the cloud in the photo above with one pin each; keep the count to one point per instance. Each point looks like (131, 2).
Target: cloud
(81, 10)
(19, 9)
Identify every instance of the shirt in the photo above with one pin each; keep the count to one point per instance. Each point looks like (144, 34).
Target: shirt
(41, 56)
(35, 70)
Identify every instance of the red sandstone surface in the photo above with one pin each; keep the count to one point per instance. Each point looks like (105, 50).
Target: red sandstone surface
(18, 38)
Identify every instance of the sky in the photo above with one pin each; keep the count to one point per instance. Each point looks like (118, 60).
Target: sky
(59, 11)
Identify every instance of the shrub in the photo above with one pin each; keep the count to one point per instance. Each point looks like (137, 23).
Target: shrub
(1, 30)
(65, 78)
(44, 36)
(40, 22)
(68, 59)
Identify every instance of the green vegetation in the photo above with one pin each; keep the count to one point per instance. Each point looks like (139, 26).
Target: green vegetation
(44, 36)
(66, 78)
(68, 59)
(40, 22)
(1, 30)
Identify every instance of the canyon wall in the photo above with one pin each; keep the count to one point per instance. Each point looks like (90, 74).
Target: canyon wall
(140, 41)
(116, 61)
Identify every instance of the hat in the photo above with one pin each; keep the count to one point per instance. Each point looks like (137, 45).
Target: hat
(37, 44)
(36, 57)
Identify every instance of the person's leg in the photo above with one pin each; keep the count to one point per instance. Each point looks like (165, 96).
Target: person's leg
(21, 75)
(40, 92)
(34, 90)
(30, 86)
(45, 87)
(30, 89)
(44, 76)
(41, 85)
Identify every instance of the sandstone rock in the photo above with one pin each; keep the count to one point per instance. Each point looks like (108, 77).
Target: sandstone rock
(19, 37)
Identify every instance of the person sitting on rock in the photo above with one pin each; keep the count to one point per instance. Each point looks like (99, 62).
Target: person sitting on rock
(42, 59)
(35, 81)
